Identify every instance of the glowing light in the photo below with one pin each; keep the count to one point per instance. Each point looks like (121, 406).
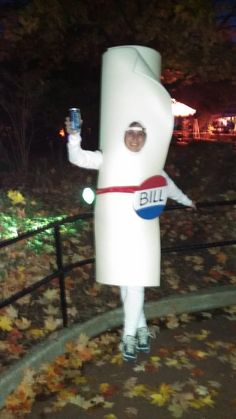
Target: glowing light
(62, 132)
(180, 109)
(88, 195)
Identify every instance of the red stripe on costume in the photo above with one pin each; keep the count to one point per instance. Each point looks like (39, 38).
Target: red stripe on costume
(122, 189)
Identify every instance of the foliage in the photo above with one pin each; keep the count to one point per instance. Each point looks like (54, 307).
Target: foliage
(20, 97)
(80, 377)
(58, 33)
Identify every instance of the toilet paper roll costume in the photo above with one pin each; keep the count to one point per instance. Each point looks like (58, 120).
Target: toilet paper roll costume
(132, 186)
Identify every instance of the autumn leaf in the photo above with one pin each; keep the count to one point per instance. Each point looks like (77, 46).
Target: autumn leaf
(3, 346)
(162, 396)
(72, 311)
(66, 394)
(18, 403)
(51, 310)
(51, 323)
(172, 321)
(23, 323)
(202, 390)
(62, 360)
(85, 354)
(79, 379)
(186, 318)
(221, 257)
(158, 399)
(107, 389)
(35, 333)
(6, 323)
(15, 349)
(197, 372)
(82, 341)
(202, 402)
(11, 312)
(51, 294)
(94, 290)
(201, 336)
(14, 335)
(99, 400)
(131, 412)
(197, 353)
(176, 409)
(80, 401)
(215, 274)
(139, 390)
(16, 197)
(171, 362)
(21, 400)
(117, 359)
(130, 383)
(150, 367)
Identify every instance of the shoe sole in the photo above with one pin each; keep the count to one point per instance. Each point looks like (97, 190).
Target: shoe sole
(144, 350)
(129, 358)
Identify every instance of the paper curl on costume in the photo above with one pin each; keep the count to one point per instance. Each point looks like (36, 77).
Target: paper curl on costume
(127, 245)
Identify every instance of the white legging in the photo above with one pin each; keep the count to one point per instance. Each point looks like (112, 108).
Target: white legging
(133, 301)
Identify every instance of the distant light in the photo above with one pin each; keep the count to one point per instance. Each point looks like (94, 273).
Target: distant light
(88, 195)
(180, 109)
(62, 132)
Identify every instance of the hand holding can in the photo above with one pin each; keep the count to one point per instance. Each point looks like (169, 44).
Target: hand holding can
(74, 122)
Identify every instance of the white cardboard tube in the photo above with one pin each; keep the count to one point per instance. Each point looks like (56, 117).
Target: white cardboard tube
(128, 247)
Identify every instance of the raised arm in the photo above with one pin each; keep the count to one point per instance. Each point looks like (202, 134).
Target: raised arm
(176, 194)
(82, 158)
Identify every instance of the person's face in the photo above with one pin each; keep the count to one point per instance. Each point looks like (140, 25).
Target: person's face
(134, 140)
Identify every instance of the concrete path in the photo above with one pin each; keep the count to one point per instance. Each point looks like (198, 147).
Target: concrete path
(190, 373)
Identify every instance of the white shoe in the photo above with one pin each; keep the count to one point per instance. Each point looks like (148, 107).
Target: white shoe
(143, 340)
(129, 348)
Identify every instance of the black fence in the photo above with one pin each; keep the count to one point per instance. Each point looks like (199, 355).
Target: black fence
(63, 269)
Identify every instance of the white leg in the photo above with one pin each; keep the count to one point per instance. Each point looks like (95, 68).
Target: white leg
(133, 300)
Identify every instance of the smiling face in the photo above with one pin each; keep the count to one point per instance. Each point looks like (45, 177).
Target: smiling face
(135, 137)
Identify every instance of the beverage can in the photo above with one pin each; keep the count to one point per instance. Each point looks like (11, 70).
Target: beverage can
(75, 119)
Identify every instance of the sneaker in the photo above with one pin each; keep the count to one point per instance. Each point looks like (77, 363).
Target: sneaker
(129, 345)
(143, 340)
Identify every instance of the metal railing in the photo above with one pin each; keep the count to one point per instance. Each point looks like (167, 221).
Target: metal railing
(62, 269)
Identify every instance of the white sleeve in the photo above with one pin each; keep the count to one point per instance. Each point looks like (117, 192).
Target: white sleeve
(82, 158)
(175, 193)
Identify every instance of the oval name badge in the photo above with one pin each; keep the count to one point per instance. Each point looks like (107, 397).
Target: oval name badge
(150, 199)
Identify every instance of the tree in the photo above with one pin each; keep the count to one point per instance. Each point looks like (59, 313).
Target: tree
(191, 35)
(20, 96)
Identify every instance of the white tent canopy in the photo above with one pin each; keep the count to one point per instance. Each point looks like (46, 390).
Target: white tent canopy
(180, 109)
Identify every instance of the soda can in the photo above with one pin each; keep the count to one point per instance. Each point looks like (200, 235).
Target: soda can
(75, 119)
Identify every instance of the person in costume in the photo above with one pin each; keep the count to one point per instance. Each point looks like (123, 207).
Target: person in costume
(113, 229)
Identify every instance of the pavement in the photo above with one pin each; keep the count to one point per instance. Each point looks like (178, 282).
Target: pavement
(189, 373)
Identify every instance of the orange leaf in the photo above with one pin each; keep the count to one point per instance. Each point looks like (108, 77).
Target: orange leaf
(61, 360)
(16, 349)
(14, 335)
(221, 257)
(108, 389)
(85, 354)
(197, 372)
(215, 274)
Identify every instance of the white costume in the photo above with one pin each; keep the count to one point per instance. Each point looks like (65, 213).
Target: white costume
(94, 160)
(128, 246)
